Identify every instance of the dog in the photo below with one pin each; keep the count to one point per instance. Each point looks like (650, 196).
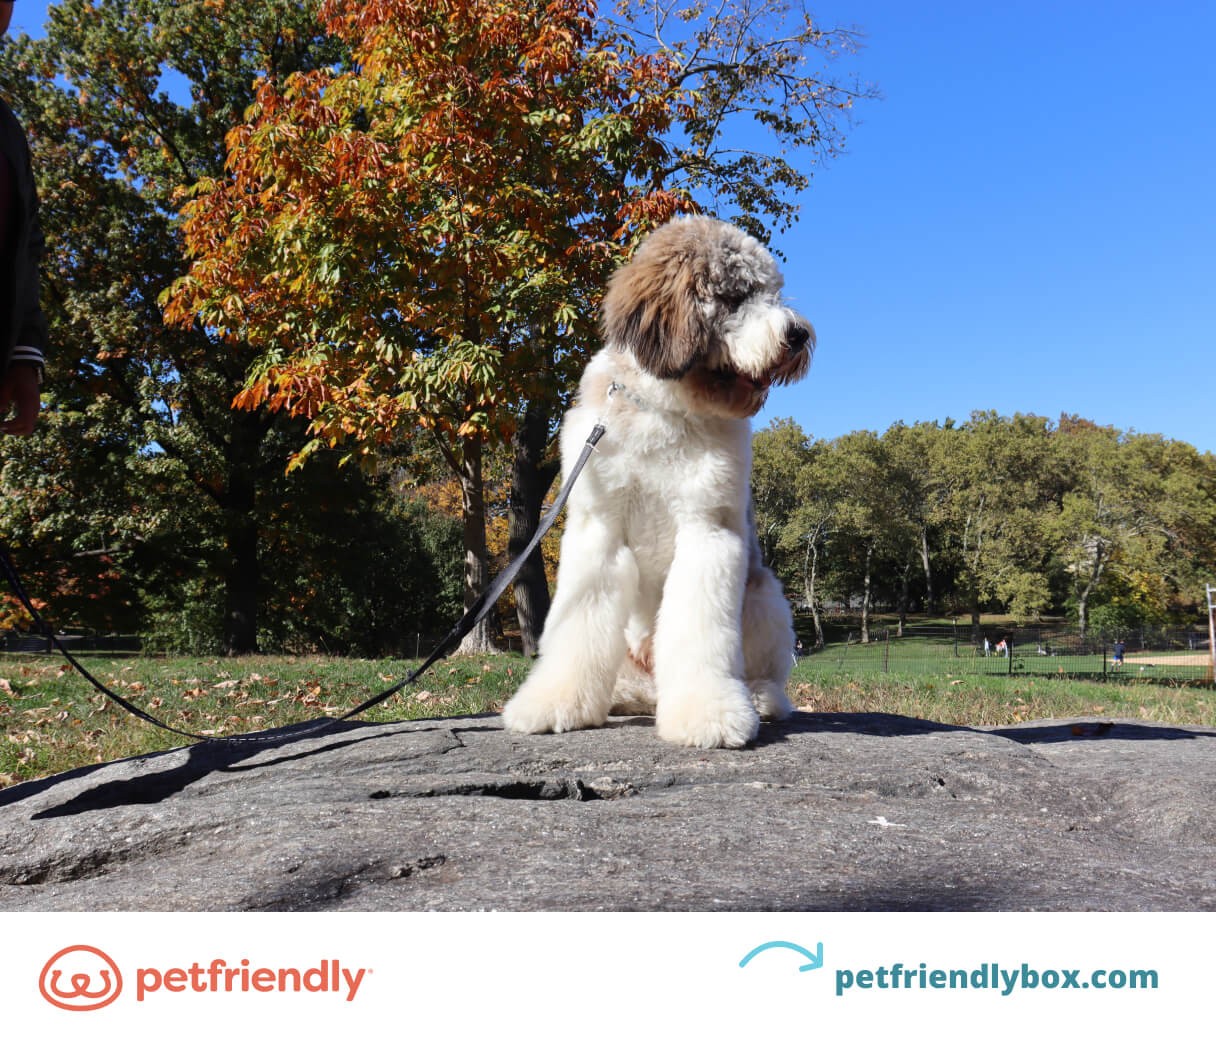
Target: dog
(663, 604)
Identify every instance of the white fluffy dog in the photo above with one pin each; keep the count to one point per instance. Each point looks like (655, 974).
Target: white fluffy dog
(662, 602)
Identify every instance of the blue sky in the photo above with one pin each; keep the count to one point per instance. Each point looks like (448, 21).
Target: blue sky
(1025, 221)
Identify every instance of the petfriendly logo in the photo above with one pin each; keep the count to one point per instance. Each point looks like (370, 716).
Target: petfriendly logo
(81, 992)
(83, 978)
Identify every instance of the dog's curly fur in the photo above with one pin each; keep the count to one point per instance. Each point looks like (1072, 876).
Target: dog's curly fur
(662, 601)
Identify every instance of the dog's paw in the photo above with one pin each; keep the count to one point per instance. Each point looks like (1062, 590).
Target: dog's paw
(725, 720)
(536, 709)
(770, 700)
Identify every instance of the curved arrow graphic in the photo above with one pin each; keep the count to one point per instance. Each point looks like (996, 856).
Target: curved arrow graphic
(814, 960)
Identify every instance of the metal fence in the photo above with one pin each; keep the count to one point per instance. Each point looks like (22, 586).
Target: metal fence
(24, 643)
(1171, 655)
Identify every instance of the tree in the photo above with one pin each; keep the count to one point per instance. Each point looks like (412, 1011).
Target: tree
(411, 243)
(1128, 535)
(922, 492)
(1097, 515)
(753, 114)
(796, 505)
(1002, 488)
(165, 478)
(748, 120)
(420, 242)
(779, 455)
(1009, 514)
(870, 520)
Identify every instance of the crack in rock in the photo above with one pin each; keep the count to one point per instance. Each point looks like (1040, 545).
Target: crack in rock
(522, 789)
(419, 865)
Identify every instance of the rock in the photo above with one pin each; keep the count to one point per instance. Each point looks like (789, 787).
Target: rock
(825, 812)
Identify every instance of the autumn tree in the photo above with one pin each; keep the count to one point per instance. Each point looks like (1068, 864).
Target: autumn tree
(420, 242)
(416, 242)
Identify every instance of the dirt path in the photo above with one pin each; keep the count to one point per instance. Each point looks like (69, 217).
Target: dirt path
(1173, 660)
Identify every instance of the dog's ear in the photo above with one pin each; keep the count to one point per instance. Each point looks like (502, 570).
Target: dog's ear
(653, 307)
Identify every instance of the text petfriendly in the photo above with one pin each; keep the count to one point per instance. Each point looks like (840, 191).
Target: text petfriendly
(85, 978)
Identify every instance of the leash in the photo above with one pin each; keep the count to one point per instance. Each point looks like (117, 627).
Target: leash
(472, 617)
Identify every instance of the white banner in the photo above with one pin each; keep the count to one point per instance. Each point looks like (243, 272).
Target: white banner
(603, 975)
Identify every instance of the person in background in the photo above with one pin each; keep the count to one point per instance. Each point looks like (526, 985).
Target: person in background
(22, 324)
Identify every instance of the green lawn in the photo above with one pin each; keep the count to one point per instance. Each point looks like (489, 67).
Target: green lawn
(928, 656)
(934, 646)
(54, 721)
(972, 698)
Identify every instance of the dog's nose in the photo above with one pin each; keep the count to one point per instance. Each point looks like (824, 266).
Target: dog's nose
(796, 338)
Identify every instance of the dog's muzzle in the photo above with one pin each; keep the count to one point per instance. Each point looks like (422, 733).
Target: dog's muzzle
(797, 336)
(798, 342)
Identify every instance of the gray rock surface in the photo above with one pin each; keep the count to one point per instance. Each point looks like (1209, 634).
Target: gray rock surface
(825, 812)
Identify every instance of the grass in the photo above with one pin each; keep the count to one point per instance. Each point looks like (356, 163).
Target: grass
(971, 699)
(54, 721)
(922, 657)
(937, 647)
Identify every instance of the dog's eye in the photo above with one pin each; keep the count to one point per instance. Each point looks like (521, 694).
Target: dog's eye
(733, 300)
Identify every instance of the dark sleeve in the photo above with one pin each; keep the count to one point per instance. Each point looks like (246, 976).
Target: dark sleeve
(31, 322)
(28, 328)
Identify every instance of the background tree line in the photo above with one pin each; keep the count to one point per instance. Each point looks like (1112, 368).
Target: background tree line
(306, 258)
(1011, 515)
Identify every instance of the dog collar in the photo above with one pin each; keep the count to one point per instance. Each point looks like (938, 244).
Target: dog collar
(615, 388)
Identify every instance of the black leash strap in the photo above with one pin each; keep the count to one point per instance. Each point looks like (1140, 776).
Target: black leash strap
(472, 617)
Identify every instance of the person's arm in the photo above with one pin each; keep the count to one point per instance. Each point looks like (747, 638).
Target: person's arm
(20, 391)
(20, 383)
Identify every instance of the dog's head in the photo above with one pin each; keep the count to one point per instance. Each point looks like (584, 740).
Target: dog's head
(700, 302)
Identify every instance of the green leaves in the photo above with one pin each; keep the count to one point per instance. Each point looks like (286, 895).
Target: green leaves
(1015, 515)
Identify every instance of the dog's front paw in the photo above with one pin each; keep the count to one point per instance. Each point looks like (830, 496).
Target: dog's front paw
(541, 708)
(770, 700)
(721, 719)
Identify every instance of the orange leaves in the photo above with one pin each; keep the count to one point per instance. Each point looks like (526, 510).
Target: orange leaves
(411, 239)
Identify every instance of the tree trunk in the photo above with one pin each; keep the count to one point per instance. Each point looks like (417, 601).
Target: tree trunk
(930, 600)
(476, 562)
(531, 478)
(241, 581)
(905, 582)
(239, 567)
(1095, 576)
(810, 569)
(865, 599)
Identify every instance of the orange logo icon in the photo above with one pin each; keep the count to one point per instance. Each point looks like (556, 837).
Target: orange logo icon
(80, 978)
